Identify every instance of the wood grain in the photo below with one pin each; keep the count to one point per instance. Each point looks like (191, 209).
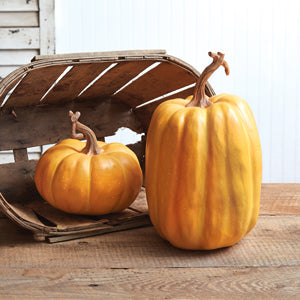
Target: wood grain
(148, 283)
(69, 87)
(48, 124)
(33, 86)
(164, 78)
(16, 184)
(20, 154)
(274, 242)
(115, 78)
(280, 199)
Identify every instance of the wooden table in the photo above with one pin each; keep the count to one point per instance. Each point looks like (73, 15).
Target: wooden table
(137, 264)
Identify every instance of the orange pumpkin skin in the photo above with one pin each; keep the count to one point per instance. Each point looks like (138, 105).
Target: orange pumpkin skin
(78, 183)
(203, 172)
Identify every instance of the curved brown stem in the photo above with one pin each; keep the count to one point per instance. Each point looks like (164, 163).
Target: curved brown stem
(200, 99)
(91, 147)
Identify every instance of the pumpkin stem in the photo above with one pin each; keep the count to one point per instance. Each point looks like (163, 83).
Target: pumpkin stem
(91, 147)
(199, 98)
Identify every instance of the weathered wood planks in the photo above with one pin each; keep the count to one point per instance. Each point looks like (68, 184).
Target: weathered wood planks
(115, 78)
(19, 19)
(273, 242)
(47, 26)
(42, 125)
(33, 86)
(78, 78)
(20, 38)
(162, 79)
(149, 283)
(25, 27)
(19, 5)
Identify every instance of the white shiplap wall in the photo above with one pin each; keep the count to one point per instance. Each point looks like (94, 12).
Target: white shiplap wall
(261, 40)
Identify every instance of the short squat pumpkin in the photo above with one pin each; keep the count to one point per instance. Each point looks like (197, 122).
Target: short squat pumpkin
(203, 168)
(89, 178)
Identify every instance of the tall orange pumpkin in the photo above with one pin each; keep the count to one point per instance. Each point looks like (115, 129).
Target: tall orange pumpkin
(89, 178)
(203, 168)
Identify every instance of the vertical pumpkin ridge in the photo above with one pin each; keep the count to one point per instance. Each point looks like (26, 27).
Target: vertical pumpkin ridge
(251, 182)
(248, 121)
(152, 177)
(228, 202)
(245, 199)
(169, 216)
(212, 180)
(51, 189)
(192, 220)
(209, 163)
(115, 207)
(179, 219)
(153, 170)
(243, 120)
(88, 205)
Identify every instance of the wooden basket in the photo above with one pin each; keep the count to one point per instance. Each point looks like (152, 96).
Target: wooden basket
(115, 89)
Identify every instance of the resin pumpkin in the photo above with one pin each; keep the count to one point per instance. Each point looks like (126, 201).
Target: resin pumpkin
(88, 178)
(203, 168)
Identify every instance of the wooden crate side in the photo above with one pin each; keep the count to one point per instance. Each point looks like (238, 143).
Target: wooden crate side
(164, 78)
(48, 124)
(115, 78)
(33, 86)
(69, 87)
(16, 183)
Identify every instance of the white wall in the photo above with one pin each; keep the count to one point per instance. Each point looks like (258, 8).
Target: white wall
(261, 40)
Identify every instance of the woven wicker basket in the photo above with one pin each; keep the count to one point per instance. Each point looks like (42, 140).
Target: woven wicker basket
(114, 89)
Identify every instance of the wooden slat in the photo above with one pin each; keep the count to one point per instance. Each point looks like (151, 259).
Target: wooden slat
(16, 182)
(20, 154)
(144, 283)
(129, 54)
(69, 222)
(19, 5)
(48, 124)
(115, 78)
(144, 113)
(16, 57)
(33, 86)
(164, 78)
(280, 199)
(47, 27)
(19, 38)
(74, 82)
(19, 19)
(273, 242)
